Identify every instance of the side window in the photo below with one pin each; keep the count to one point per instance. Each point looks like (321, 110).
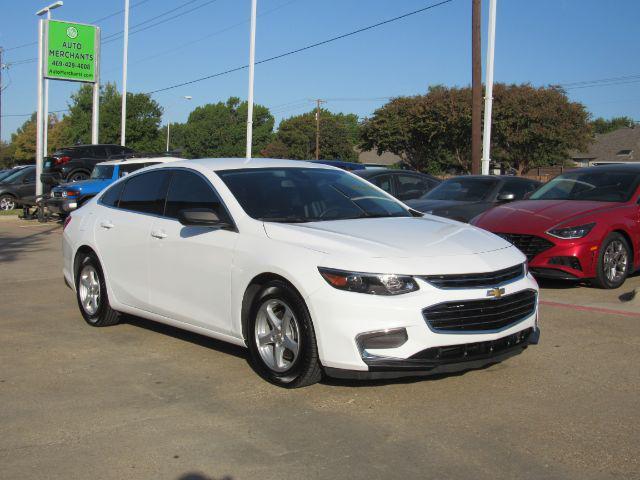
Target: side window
(145, 193)
(383, 182)
(188, 190)
(98, 152)
(30, 177)
(112, 195)
(411, 186)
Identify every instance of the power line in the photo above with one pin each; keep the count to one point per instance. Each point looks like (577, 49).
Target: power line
(302, 49)
(101, 19)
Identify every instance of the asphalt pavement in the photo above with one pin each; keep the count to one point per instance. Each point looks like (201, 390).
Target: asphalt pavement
(141, 400)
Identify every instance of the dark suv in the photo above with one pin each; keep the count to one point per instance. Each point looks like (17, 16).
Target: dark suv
(71, 164)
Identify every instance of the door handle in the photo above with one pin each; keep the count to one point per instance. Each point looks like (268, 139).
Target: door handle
(158, 234)
(106, 224)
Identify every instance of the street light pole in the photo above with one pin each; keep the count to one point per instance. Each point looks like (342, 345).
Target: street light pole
(186, 97)
(252, 58)
(488, 98)
(47, 10)
(123, 110)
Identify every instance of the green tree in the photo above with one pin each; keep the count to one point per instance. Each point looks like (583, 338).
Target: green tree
(600, 125)
(7, 154)
(531, 127)
(24, 141)
(219, 130)
(143, 119)
(296, 137)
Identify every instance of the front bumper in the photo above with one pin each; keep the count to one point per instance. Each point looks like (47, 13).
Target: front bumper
(444, 360)
(341, 317)
(61, 205)
(584, 252)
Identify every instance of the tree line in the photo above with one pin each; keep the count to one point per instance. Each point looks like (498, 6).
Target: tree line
(532, 127)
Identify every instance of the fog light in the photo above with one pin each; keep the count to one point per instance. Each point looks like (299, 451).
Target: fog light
(391, 338)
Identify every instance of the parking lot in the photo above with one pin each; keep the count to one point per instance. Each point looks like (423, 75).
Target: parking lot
(141, 400)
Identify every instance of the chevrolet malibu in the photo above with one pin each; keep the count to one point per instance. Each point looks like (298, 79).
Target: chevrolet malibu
(311, 268)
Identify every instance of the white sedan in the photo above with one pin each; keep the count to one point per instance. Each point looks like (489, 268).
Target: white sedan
(311, 268)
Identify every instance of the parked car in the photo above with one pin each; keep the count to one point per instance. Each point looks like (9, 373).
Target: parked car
(72, 164)
(310, 267)
(462, 198)
(18, 187)
(349, 166)
(402, 184)
(69, 196)
(582, 225)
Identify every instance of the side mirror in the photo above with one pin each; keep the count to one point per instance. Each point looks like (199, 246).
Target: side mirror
(201, 217)
(506, 197)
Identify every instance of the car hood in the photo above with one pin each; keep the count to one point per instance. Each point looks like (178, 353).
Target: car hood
(83, 184)
(402, 237)
(535, 216)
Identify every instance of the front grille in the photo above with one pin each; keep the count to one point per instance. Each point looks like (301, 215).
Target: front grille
(485, 314)
(476, 280)
(530, 245)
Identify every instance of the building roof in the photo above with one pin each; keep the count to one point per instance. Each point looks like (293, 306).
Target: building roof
(372, 157)
(621, 145)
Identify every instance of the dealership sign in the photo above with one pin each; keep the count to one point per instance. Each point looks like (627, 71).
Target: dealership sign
(71, 51)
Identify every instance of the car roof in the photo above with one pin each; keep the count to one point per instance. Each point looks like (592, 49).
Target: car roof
(619, 167)
(91, 145)
(141, 160)
(495, 177)
(217, 164)
(379, 171)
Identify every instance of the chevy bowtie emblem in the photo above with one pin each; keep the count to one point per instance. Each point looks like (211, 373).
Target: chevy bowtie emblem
(495, 292)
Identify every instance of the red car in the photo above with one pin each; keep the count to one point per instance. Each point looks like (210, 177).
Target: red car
(581, 225)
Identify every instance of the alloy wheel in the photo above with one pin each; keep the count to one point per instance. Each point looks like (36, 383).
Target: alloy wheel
(7, 203)
(89, 290)
(277, 335)
(615, 261)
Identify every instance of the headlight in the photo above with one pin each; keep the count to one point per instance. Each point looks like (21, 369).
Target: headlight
(372, 283)
(572, 232)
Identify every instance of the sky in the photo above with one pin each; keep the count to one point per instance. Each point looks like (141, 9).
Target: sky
(540, 42)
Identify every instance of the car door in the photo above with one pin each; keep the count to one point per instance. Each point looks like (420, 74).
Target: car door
(26, 186)
(122, 232)
(190, 267)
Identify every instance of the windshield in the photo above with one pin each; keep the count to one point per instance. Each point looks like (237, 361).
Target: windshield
(102, 172)
(15, 175)
(307, 194)
(592, 185)
(7, 174)
(463, 190)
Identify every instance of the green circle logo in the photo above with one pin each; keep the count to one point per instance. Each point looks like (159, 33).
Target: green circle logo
(72, 32)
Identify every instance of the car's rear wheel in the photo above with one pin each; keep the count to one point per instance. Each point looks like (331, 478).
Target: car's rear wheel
(77, 177)
(281, 339)
(614, 262)
(7, 202)
(91, 292)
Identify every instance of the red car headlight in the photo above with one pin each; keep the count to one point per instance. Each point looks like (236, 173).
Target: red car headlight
(568, 233)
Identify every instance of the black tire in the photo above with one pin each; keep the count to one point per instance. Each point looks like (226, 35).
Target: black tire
(602, 280)
(77, 176)
(103, 315)
(8, 202)
(305, 368)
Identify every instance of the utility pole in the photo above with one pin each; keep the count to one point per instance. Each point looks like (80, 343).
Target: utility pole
(318, 103)
(488, 95)
(476, 87)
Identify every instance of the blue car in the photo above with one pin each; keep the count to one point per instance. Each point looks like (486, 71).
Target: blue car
(67, 197)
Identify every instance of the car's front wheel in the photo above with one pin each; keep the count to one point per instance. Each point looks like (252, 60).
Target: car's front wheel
(7, 202)
(281, 339)
(91, 292)
(614, 262)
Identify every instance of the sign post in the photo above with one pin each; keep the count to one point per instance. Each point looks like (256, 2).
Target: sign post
(67, 51)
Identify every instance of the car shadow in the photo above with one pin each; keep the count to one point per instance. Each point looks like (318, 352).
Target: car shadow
(187, 336)
(12, 248)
